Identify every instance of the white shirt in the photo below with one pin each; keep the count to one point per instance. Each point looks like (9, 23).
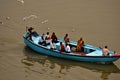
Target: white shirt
(67, 49)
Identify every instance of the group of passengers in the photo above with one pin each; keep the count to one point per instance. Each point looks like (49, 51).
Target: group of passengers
(46, 39)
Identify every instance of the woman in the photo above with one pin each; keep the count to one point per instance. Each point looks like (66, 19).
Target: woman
(62, 47)
(48, 38)
(66, 39)
(80, 45)
(67, 49)
(54, 37)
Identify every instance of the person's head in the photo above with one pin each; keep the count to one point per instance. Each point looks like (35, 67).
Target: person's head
(53, 33)
(43, 34)
(60, 43)
(47, 33)
(106, 47)
(31, 28)
(81, 38)
(66, 34)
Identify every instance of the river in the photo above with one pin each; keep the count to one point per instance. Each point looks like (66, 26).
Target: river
(96, 21)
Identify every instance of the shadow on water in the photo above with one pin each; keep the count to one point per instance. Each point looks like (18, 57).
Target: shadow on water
(31, 57)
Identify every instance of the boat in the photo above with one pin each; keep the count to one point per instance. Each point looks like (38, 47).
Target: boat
(32, 57)
(90, 54)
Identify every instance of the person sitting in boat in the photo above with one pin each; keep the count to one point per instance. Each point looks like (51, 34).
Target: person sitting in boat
(42, 40)
(80, 44)
(52, 46)
(62, 47)
(54, 37)
(44, 36)
(105, 51)
(31, 33)
(34, 33)
(66, 39)
(48, 38)
(29, 29)
(67, 49)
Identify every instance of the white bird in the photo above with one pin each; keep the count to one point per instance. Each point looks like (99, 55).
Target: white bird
(22, 1)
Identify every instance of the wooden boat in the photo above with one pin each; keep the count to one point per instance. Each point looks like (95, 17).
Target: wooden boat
(90, 54)
(32, 57)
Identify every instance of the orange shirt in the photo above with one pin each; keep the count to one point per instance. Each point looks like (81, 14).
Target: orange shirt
(79, 45)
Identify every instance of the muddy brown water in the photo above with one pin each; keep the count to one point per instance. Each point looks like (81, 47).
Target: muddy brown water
(97, 21)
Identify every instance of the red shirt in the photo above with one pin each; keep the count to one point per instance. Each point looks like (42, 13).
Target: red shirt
(48, 37)
(62, 48)
(53, 36)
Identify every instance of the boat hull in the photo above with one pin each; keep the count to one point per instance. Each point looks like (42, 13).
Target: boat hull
(43, 50)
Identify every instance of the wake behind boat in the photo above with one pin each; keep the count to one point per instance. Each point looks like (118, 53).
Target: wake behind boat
(90, 53)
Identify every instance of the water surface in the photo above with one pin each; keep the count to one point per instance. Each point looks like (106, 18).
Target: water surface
(97, 21)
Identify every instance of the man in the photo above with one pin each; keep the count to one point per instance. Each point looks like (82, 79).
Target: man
(105, 51)
(62, 47)
(67, 49)
(29, 29)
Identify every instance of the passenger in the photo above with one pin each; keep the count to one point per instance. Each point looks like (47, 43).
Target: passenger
(48, 38)
(31, 33)
(52, 46)
(80, 45)
(62, 47)
(44, 36)
(34, 33)
(54, 37)
(66, 36)
(42, 40)
(66, 39)
(67, 49)
(29, 29)
(105, 51)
